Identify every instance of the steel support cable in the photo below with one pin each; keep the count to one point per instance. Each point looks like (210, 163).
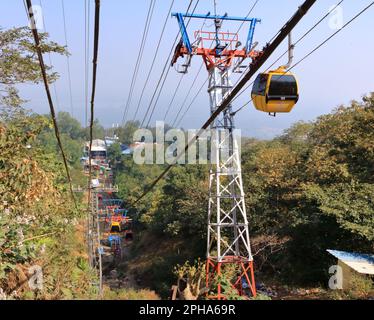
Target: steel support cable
(167, 70)
(257, 64)
(173, 97)
(92, 105)
(283, 54)
(67, 59)
(198, 92)
(49, 97)
(154, 60)
(248, 14)
(177, 123)
(192, 102)
(163, 73)
(139, 58)
(297, 42)
(187, 95)
(86, 56)
(49, 58)
(94, 74)
(189, 90)
(86, 73)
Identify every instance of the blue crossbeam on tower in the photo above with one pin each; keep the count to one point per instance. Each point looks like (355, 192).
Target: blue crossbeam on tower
(208, 16)
(185, 37)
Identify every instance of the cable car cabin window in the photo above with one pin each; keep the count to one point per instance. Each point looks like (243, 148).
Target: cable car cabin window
(259, 87)
(283, 86)
(115, 229)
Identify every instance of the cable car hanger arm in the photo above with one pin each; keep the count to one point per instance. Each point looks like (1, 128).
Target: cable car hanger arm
(186, 40)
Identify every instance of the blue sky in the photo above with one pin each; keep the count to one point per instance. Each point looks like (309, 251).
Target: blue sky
(337, 73)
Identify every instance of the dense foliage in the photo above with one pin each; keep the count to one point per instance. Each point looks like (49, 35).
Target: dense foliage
(308, 190)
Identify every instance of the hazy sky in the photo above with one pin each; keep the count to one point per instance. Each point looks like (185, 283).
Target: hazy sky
(337, 73)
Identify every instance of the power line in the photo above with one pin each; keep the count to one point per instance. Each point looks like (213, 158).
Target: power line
(140, 55)
(163, 75)
(154, 59)
(268, 51)
(67, 59)
(49, 97)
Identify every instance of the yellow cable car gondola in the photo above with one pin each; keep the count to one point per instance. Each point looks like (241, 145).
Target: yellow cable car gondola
(275, 91)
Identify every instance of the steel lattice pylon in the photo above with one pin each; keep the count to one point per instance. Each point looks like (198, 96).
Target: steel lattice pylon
(228, 234)
(93, 238)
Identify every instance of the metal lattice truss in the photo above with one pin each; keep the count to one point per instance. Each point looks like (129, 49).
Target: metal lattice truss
(93, 237)
(228, 234)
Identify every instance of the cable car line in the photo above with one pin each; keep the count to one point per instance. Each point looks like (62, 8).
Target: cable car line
(49, 59)
(190, 89)
(94, 73)
(296, 43)
(191, 103)
(67, 59)
(49, 97)
(139, 58)
(173, 98)
(165, 69)
(91, 214)
(193, 83)
(188, 93)
(86, 56)
(248, 14)
(317, 47)
(256, 65)
(153, 61)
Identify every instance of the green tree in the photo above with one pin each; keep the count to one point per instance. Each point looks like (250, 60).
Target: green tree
(19, 62)
(69, 126)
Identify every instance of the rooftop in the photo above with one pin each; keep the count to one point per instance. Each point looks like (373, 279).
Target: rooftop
(362, 263)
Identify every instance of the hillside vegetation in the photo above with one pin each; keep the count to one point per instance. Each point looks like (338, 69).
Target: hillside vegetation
(308, 190)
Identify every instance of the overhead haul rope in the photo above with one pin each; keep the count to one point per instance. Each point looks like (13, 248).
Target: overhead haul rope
(49, 57)
(139, 59)
(67, 59)
(287, 28)
(94, 73)
(177, 123)
(312, 51)
(154, 60)
(294, 44)
(164, 75)
(189, 90)
(86, 56)
(49, 97)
